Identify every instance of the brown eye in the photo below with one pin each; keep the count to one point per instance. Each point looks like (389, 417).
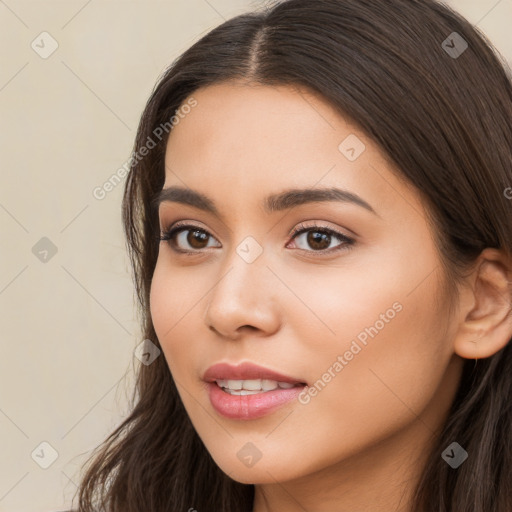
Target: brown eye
(187, 238)
(197, 238)
(319, 239)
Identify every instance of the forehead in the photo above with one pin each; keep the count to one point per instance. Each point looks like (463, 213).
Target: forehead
(256, 140)
(250, 116)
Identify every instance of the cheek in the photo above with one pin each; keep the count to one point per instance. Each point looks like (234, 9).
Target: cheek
(387, 293)
(171, 305)
(177, 300)
(174, 295)
(393, 353)
(372, 339)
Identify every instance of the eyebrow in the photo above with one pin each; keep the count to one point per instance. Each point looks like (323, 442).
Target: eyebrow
(272, 203)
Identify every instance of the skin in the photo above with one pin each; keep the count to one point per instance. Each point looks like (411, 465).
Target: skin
(361, 442)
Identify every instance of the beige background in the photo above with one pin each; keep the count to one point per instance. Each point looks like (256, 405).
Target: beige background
(68, 328)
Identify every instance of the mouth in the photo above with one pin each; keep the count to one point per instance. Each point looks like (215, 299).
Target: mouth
(248, 391)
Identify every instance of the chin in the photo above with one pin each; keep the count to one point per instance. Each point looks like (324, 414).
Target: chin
(255, 476)
(262, 472)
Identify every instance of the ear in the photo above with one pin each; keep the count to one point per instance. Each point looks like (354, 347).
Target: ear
(486, 307)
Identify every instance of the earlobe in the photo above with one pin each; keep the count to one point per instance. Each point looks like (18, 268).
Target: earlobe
(486, 325)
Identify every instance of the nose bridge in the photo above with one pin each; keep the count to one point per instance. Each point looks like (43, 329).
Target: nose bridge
(242, 273)
(243, 292)
(244, 265)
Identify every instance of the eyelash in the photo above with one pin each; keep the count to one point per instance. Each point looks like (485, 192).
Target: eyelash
(347, 242)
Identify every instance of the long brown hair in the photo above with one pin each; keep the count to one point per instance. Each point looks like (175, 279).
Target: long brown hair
(442, 112)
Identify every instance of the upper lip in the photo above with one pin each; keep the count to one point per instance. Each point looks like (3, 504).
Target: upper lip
(245, 371)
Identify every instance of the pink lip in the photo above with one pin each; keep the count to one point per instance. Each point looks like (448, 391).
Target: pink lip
(248, 407)
(245, 371)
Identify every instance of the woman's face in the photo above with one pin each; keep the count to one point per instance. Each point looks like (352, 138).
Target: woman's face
(349, 312)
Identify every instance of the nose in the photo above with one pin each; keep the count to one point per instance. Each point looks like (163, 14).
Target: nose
(244, 299)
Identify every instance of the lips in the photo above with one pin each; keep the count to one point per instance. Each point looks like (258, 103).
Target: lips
(248, 391)
(246, 371)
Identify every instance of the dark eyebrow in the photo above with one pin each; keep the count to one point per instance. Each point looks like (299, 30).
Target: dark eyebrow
(273, 203)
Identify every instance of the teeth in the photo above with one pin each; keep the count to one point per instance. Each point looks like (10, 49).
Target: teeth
(233, 384)
(241, 392)
(269, 385)
(252, 386)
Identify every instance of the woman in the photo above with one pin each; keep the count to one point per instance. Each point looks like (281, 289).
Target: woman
(319, 219)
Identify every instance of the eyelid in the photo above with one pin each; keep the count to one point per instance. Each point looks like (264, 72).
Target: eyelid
(304, 226)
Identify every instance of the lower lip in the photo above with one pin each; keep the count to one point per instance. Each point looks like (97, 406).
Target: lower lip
(249, 407)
